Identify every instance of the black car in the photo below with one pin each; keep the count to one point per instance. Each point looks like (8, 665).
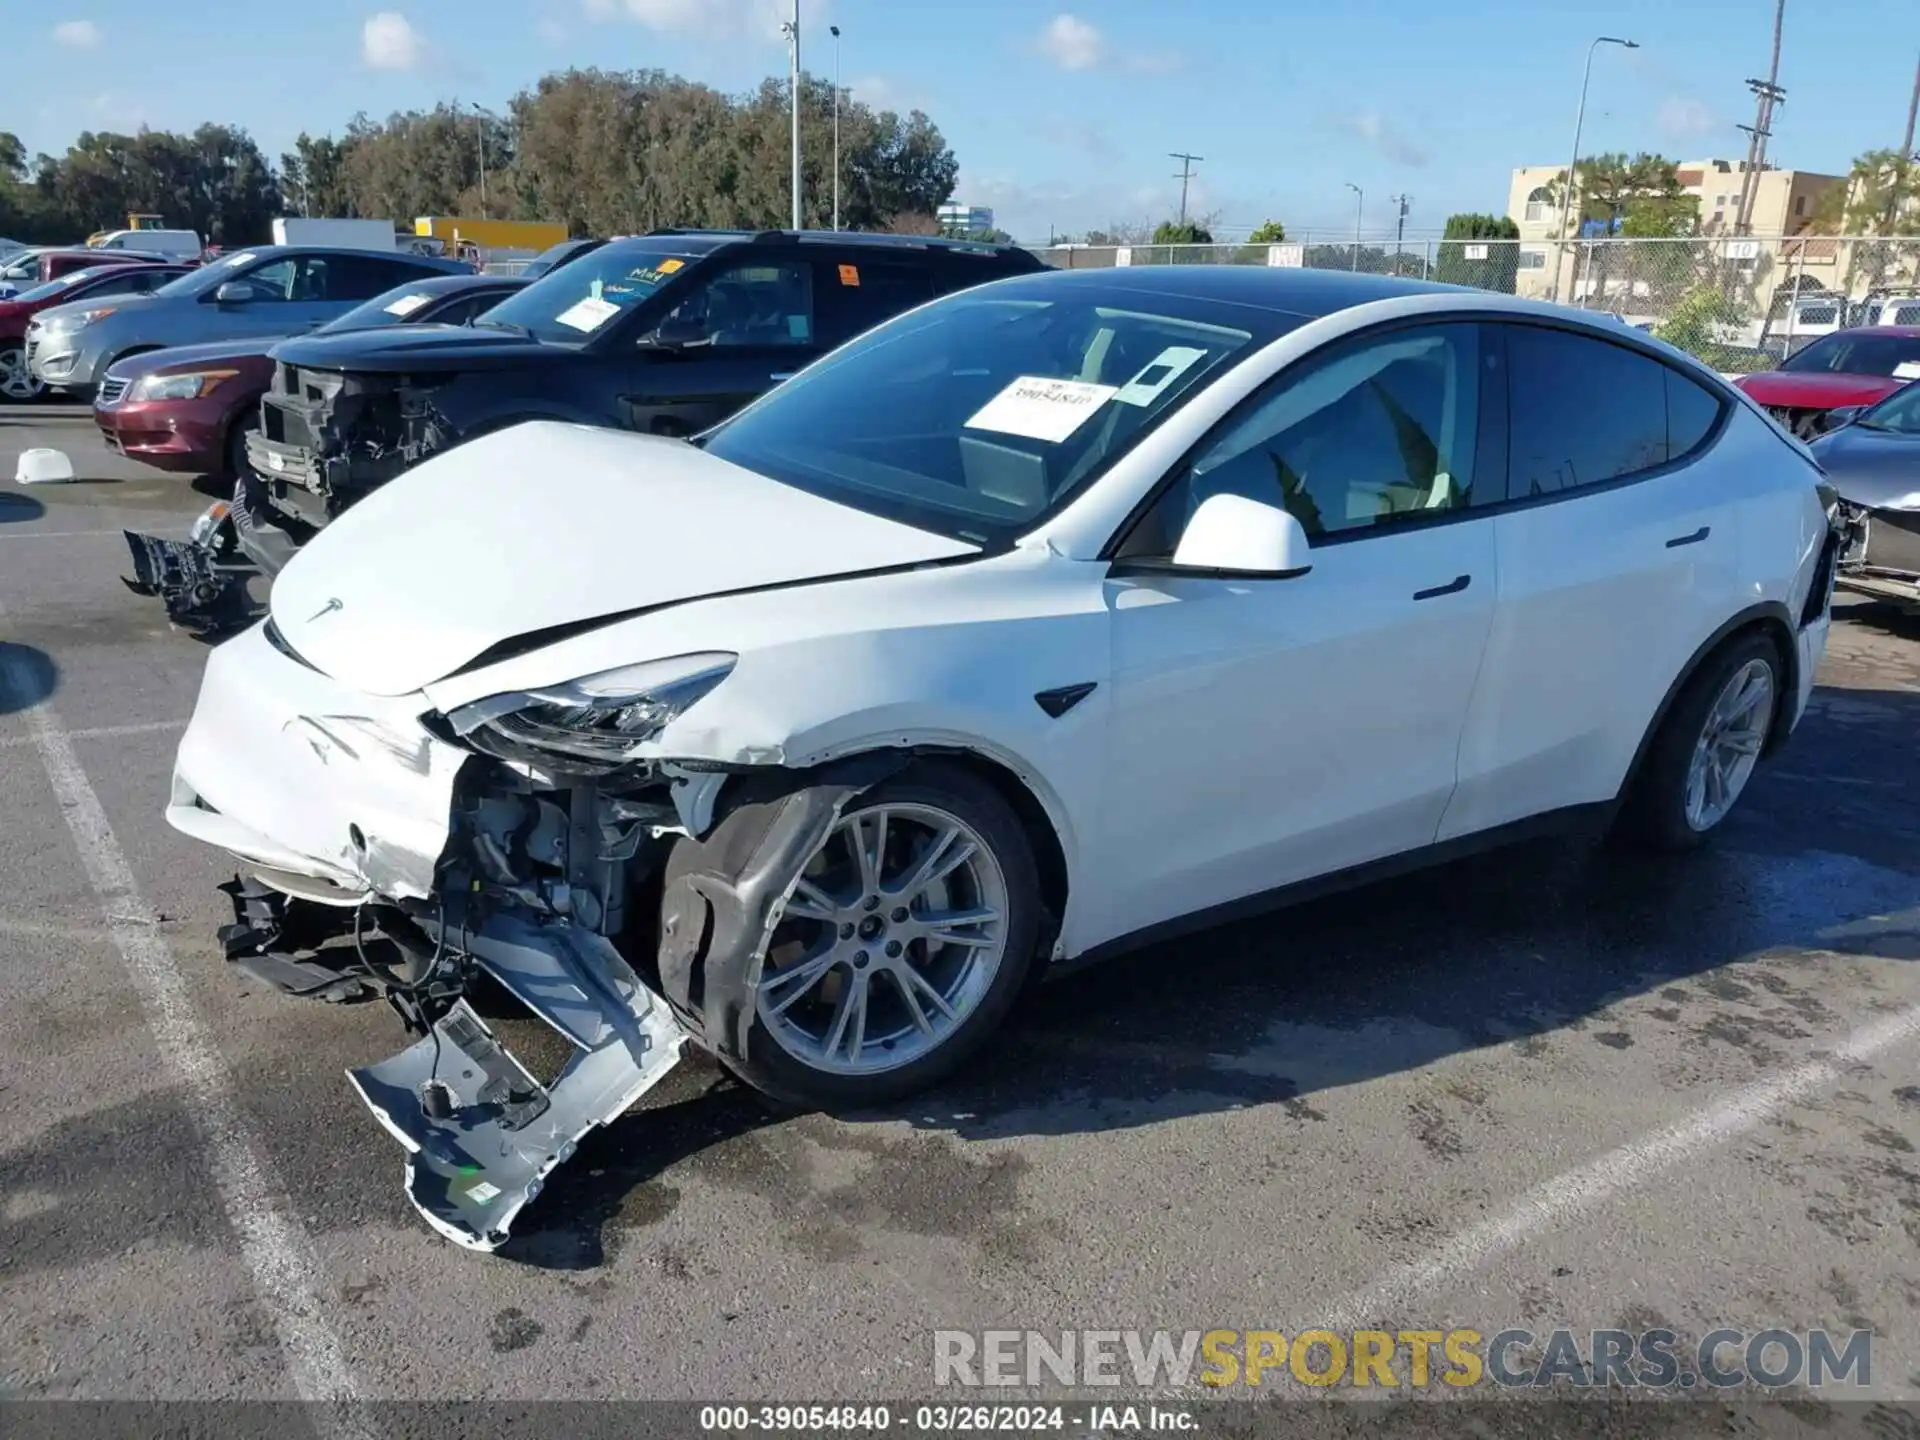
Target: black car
(668, 333)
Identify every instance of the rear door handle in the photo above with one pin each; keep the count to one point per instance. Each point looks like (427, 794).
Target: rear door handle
(1459, 583)
(1694, 539)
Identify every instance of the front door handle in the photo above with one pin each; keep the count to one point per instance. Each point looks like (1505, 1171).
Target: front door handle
(1694, 539)
(1459, 583)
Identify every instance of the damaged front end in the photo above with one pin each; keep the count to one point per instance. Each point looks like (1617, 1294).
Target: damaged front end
(627, 903)
(327, 439)
(202, 580)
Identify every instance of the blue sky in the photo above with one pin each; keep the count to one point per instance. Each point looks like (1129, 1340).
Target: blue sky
(1062, 116)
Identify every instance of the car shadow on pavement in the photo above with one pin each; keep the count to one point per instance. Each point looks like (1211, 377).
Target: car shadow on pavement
(17, 509)
(1532, 948)
(27, 676)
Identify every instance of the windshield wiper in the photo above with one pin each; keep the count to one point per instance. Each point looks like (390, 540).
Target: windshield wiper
(509, 325)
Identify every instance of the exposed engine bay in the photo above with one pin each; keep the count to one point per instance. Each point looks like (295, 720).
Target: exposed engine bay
(326, 440)
(630, 912)
(1880, 551)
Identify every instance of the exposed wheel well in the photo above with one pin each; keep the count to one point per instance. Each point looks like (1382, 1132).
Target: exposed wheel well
(1047, 852)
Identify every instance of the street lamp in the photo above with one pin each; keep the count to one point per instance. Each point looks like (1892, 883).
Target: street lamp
(480, 133)
(1567, 200)
(792, 31)
(1359, 205)
(836, 125)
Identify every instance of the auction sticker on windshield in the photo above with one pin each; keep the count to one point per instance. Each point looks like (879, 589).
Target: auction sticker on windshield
(407, 304)
(1038, 408)
(1907, 370)
(588, 315)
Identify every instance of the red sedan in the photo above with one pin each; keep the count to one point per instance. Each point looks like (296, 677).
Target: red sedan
(1846, 368)
(107, 278)
(189, 408)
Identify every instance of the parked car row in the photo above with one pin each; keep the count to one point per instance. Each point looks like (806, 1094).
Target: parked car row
(1047, 617)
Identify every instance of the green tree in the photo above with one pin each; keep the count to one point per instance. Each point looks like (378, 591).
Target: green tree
(1175, 232)
(1640, 195)
(1696, 322)
(1268, 232)
(1499, 267)
(1881, 197)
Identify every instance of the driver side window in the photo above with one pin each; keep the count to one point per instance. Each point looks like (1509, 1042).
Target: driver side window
(1376, 432)
(750, 306)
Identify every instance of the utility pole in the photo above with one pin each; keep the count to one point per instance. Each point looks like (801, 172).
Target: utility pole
(1907, 157)
(792, 31)
(1187, 162)
(1767, 94)
(480, 130)
(836, 125)
(1359, 208)
(1399, 227)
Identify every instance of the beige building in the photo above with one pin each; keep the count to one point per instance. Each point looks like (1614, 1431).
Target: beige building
(1784, 204)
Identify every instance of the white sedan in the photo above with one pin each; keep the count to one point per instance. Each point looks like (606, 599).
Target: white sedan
(1059, 614)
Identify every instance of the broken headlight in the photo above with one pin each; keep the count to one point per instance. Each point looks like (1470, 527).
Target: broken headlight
(590, 726)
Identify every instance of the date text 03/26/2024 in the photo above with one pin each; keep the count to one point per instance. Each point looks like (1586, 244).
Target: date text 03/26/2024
(942, 1419)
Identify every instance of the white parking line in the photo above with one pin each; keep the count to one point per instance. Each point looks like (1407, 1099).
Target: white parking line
(98, 732)
(284, 1270)
(1560, 1199)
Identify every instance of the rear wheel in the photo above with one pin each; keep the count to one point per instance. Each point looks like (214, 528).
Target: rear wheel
(17, 382)
(1705, 753)
(903, 943)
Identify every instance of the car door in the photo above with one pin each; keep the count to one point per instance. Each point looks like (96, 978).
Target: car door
(285, 295)
(1617, 559)
(747, 327)
(1265, 731)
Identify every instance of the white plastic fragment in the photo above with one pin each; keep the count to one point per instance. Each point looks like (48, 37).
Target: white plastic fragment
(43, 466)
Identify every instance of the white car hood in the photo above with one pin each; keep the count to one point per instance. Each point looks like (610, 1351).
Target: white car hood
(547, 524)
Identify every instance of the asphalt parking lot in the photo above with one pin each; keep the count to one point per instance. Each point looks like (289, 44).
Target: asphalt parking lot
(1514, 1091)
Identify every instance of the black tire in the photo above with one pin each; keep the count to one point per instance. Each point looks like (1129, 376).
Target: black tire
(1655, 814)
(237, 467)
(789, 1080)
(15, 350)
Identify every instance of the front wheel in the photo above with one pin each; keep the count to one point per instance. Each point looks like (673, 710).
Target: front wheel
(1707, 748)
(17, 382)
(903, 943)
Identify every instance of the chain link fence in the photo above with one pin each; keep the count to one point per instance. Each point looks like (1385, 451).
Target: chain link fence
(1740, 304)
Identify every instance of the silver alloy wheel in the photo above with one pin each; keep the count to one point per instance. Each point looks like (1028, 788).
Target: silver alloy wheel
(888, 941)
(1729, 745)
(16, 380)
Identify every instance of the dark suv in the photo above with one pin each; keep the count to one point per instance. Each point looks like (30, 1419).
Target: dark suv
(670, 333)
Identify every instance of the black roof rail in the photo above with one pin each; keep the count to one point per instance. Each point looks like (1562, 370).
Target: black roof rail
(952, 244)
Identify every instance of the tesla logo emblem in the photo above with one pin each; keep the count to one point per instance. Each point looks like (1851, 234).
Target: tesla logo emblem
(326, 609)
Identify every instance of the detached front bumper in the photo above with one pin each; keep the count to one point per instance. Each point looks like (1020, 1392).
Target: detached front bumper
(1880, 555)
(342, 799)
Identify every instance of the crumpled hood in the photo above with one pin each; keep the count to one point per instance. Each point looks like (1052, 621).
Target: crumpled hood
(1815, 390)
(1879, 469)
(546, 524)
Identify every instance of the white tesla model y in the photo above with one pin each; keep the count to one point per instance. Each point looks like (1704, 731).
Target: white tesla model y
(1050, 616)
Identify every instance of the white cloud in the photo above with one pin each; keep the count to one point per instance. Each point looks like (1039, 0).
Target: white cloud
(77, 34)
(1072, 44)
(1683, 118)
(388, 41)
(1374, 128)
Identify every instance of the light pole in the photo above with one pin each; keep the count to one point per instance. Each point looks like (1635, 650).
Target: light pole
(1568, 199)
(1359, 206)
(480, 131)
(792, 30)
(836, 125)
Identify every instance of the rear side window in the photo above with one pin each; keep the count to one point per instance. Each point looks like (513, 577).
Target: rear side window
(855, 296)
(361, 277)
(1692, 412)
(1583, 412)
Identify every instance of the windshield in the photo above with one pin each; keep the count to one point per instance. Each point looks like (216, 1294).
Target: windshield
(570, 305)
(978, 414)
(1896, 356)
(208, 277)
(1899, 412)
(21, 267)
(402, 305)
(64, 283)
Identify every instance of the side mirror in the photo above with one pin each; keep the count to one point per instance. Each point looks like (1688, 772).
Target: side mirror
(1234, 536)
(1844, 415)
(233, 292)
